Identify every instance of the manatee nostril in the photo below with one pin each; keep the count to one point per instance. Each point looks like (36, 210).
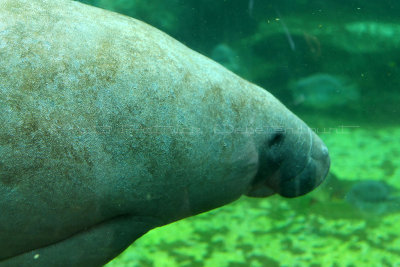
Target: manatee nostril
(324, 151)
(276, 139)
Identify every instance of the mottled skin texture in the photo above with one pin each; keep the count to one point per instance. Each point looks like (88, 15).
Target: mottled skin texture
(110, 128)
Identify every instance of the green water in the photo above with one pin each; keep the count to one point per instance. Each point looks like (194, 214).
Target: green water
(283, 46)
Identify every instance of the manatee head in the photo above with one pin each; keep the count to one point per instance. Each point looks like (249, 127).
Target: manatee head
(292, 162)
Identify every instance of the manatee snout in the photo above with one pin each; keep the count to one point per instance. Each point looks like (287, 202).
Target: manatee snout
(304, 171)
(292, 162)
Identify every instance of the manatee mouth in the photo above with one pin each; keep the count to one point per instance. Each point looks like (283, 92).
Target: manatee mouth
(309, 178)
(297, 173)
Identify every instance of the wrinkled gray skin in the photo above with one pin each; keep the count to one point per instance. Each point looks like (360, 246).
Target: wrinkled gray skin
(110, 128)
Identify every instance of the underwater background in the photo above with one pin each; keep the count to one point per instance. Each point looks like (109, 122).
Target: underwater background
(334, 63)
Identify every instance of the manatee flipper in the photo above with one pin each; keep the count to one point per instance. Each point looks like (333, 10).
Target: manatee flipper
(92, 247)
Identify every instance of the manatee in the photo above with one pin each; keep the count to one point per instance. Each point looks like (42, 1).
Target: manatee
(110, 128)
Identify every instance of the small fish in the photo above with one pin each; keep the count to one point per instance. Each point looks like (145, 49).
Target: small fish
(373, 197)
(323, 91)
(226, 56)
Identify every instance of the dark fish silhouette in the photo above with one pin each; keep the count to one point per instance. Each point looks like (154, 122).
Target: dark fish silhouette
(373, 197)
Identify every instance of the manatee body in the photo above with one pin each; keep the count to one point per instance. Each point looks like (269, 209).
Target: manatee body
(110, 128)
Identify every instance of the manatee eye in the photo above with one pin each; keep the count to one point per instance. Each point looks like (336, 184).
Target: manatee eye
(276, 139)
